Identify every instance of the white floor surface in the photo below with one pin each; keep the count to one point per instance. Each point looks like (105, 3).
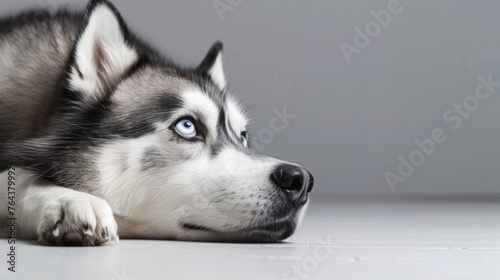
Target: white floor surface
(341, 238)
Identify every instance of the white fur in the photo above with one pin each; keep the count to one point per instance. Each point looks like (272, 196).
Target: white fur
(184, 190)
(39, 207)
(217, 72)
(102, 32)
(124, 183)
(236, 119)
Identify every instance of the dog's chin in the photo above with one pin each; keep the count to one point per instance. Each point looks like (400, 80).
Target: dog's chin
(267, 233)
(272, 230)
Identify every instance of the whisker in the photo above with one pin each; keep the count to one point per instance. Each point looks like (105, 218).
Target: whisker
(232, 211)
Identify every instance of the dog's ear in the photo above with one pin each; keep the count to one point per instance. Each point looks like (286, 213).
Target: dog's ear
(212, 65)
(101, 55)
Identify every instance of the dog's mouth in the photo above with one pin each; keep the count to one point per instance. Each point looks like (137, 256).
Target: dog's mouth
(276, 227)
(267, 232)
(195, 227)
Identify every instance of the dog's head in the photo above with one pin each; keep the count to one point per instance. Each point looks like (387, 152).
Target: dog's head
(170, 144)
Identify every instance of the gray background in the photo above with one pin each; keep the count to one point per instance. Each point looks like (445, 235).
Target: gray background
(353, 119)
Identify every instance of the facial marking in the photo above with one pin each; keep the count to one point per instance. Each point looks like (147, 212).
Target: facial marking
(200, 105)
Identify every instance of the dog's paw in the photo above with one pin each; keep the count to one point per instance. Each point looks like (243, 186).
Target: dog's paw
(80, 220)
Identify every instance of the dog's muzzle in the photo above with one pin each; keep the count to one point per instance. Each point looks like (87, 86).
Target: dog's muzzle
(297, 181)
(277, 221)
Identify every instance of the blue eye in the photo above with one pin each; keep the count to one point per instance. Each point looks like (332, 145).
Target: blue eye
(185, 128)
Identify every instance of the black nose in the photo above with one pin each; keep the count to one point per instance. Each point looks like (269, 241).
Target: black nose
(295, 179)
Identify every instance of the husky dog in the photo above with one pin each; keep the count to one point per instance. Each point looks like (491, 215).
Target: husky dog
(100, 137)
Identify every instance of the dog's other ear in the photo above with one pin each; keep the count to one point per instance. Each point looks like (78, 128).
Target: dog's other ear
(212, 65)
(101, 55)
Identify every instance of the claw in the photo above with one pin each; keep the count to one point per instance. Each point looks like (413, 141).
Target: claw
(87, 230)
(57, 229)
